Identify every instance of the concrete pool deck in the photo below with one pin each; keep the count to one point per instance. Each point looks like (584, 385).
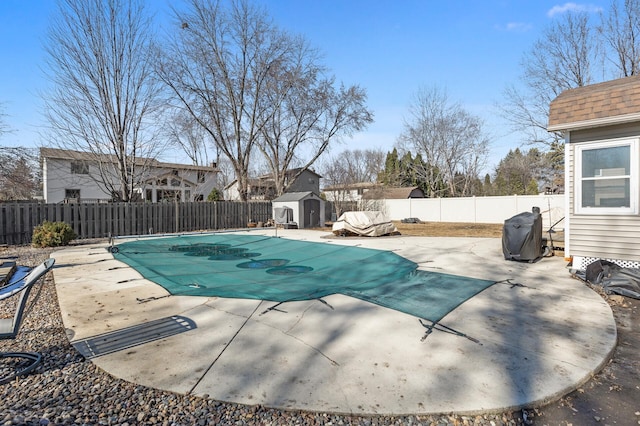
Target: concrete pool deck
(522, 342)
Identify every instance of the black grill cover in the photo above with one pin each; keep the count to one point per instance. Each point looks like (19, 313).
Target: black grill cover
(522, 236)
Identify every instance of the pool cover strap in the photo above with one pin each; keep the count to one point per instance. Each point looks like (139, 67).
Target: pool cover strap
(439, 327)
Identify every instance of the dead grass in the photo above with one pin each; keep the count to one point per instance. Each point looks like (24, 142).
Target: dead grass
(446, 229)
(478, 230)
(457, 229)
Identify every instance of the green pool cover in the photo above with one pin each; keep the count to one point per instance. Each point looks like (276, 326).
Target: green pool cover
(282, 270)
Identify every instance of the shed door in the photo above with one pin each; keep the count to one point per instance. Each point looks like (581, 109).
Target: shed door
(311, 213)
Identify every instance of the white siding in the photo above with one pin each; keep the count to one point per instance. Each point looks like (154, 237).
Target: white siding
(58, 178)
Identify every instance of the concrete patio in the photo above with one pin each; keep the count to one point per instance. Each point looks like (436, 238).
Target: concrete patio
(532, 337)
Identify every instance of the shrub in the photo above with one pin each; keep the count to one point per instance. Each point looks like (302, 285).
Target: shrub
(52, 234)
(215, 195)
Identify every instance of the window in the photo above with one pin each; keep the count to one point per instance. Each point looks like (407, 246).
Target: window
(79, 168)
(606, 177)
(167, 195)
(72, 194)
(201, 176)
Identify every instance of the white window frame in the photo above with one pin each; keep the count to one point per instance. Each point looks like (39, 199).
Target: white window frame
(633, 177)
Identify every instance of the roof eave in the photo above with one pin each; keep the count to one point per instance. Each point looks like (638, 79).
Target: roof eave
(597, 122)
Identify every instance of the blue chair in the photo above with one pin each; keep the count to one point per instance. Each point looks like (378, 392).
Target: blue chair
(19, 285)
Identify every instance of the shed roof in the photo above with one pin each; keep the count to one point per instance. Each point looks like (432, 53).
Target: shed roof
(294, 196)
(596, 105)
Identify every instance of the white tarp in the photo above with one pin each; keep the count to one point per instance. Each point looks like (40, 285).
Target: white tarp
(370, 224)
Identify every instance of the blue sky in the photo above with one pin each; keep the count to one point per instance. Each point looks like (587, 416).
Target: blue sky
(391, 48)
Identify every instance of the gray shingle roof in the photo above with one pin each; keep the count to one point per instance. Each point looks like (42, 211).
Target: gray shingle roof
(293, 196)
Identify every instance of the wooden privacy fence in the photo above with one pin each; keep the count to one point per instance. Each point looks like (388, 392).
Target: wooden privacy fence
(17, 220)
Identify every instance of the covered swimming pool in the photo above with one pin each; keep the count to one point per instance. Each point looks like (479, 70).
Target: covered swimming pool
(285, 270)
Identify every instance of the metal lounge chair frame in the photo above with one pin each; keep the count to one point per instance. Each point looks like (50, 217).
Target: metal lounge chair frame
(20, 285)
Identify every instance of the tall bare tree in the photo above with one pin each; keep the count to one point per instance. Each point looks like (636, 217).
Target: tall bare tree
(250, 85)
(450, 140)
(100, 59)
(562, 58)
(305, 113)
(353, 166)
(620, 30)
(185, 133)
(217, 66)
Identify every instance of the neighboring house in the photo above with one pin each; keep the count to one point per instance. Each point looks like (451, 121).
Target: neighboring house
(371, 200)
(352, 192)
(73, 176)
(388, 193)
(264, 188)
(601, 127)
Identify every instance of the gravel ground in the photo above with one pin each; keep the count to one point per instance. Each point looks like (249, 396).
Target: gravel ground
(67, 389)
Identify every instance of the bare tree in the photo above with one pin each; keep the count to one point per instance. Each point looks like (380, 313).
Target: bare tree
(353, 166)
(250, 85)
(620, 30)
(185, 133)
(305, 113)
(100, 57)
(562, 58)
(345, 171)
(217, 67)
(226, 173)
(449, 139)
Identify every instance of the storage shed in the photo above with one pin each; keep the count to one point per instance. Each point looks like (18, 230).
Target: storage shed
(307, 208)
(601, 128)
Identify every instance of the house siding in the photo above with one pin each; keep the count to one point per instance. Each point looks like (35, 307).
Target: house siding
(600, 236)
(58, 178)
(307, 181)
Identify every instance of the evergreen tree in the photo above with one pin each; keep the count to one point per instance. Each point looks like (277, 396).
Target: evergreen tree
(487, 187)
(390, 174)
(407, 171)
(532, 187)
(520, 172)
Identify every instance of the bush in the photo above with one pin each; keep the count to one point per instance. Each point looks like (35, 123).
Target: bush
(52, 234)
(215, 195)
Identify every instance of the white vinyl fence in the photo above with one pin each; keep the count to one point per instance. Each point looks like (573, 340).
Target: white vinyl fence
(472, 209)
